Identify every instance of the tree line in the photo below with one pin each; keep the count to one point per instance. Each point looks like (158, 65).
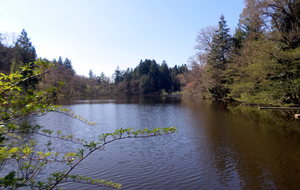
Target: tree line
(259, 63)
(23, 159)
(148, 77)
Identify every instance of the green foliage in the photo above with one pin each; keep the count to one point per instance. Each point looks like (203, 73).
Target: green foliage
(17, 103)
(118, 75)
(148, 78)
(145, 84)
(165, 78)
(259, 65)
(154, 75)
(221, 43)
(10, 180)
(17, 55)
(268, 76)
(218, 59)
(129, 131)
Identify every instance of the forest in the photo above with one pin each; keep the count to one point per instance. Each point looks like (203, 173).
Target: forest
(148, 77)
(257, 63)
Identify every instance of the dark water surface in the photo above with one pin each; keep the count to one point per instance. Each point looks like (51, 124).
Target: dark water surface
(214, 149)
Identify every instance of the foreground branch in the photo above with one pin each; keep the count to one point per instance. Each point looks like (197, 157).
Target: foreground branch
(67, 173)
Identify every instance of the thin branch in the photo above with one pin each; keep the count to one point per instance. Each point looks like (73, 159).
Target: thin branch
(20, 82)
(91, 153)
(67, 114)
(32, 132)
(82, 182)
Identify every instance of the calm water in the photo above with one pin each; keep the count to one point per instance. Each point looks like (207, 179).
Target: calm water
(214, 149)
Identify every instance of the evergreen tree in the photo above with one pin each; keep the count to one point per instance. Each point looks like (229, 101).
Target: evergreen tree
(182, 68)
(102, 76)
(145, 84)
(238, 38)
(165, 77)
(221, 43)
(175, 81)
(251, 21)
(154, 76)
(138, 74)
(135, 74)
(68, 64)
(144, 67)
(91, 74)
(26, 48)
(24, 53)
(118, 75)
(17, 60)
(60, 61)
(54, 61)
(218, 58)
(127, 77)
(5, 56)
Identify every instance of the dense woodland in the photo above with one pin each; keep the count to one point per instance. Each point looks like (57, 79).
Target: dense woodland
(148, 77)
(258, 63)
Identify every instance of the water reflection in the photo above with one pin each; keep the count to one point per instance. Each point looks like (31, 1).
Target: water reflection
(148, 100)
(245, 153)
(218, 146)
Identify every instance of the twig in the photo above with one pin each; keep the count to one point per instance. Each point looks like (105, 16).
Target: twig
(20, 82)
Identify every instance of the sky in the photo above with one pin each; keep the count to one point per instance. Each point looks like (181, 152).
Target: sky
(103, 34)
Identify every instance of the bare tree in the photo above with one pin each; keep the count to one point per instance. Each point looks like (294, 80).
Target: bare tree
(9, 39)
(204, 38)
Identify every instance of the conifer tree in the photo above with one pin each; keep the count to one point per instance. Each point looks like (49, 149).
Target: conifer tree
(26, 48)
(220, 46)
(118, 75)
(154, 76)
(5, 56)
(68, 64)
(127, 77)
(251, 21)
(165, 77)
(60, 61)
(145, 84)
(218, 59)
(91, 74)
(175, 81)
(144, 67)
(24, 53)
(101, 77)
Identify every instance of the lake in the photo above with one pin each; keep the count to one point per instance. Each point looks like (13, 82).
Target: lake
(215, 148)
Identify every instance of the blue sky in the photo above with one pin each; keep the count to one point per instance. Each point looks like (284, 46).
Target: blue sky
(102, 34)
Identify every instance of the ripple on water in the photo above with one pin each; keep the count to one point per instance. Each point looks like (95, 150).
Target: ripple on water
(208, 152)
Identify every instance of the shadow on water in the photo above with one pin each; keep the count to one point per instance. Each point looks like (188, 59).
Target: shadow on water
(133, 99)
(218, 146)
(261, 148)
